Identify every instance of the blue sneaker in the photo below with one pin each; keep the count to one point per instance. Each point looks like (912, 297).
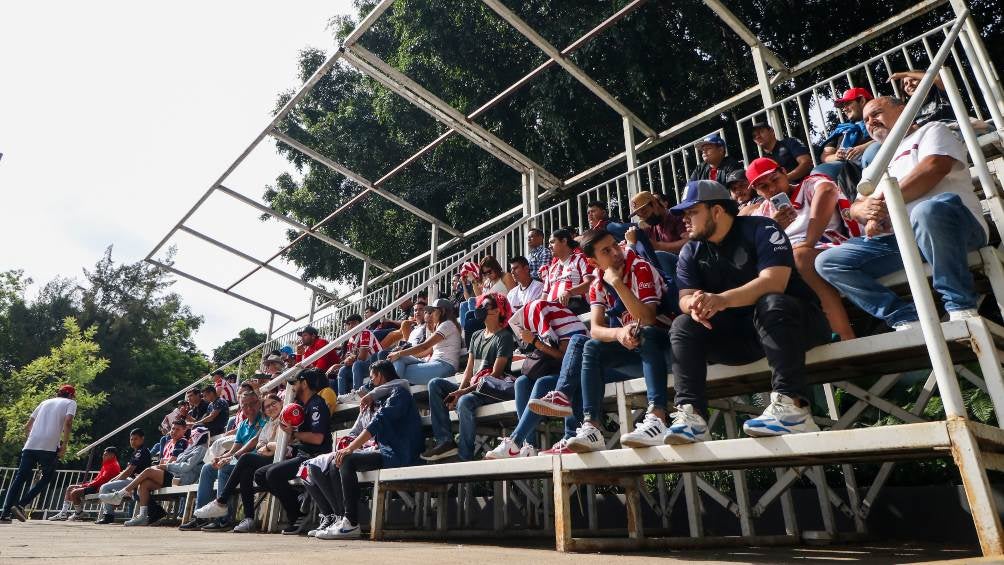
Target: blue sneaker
(782, 417)
(688, 427)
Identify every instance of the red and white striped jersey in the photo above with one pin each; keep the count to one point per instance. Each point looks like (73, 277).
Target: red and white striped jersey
(562, 276)
(639, 276)
(549, 320)
(226, 390)
(362, 339)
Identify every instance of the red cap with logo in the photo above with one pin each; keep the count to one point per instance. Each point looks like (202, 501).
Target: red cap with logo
(68, 390)
(760, 168)
(852, 94)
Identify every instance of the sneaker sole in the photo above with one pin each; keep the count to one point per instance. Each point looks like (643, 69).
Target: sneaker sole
(549, 410)
(574, 448)
(638, 443)
(450, 453)
(677, 440)
(18, 513)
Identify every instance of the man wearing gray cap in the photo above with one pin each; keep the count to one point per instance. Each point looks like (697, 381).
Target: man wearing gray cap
(742, 300)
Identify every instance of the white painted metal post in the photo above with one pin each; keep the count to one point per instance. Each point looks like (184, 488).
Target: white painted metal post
(366, 280)
(534, 195)
(766, 92)
(976, 52)
(433, 291)
(313, 307)
(630, 158)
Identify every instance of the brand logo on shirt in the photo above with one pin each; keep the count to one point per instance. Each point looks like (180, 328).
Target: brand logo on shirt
(315, 416)
(776, 238)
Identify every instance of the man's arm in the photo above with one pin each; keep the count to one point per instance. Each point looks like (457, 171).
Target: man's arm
(824, 203)
(830, 154)
(770, 280)
(28, 425)
(67, 429)
(209, 417)
(928, 172)
(127, 472)
(803, 167)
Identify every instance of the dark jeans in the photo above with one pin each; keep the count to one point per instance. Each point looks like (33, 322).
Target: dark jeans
(336, 490)
(651, 355)
(26, 467)
(275, 479)
(242, 477)
(781, 327)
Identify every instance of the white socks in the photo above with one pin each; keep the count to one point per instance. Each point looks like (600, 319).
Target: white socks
(66, 505)
(143, 510)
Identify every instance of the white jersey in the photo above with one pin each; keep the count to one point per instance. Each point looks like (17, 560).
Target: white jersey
(49, 418)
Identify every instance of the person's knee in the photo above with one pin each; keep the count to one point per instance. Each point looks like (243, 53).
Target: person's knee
(775, 306)
(436, 387)
(592, 349)
(933, 210)
(467, 404)
(829, 262)
(684, 326)
(805, 260)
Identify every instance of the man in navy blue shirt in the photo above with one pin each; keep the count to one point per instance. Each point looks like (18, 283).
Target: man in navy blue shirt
(741, 299)
(789, 152)
(309, 439)
(215, 419)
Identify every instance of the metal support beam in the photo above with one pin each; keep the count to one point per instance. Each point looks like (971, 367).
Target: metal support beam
(362, 181)
(630, 158)
(218, 288)
(367, 22)
(428, 102)
(364, 287)
(745, 33)
(571, 68)
(766, 89)
(263, 264)
(433, 292)
(303, 227)
(313, 307)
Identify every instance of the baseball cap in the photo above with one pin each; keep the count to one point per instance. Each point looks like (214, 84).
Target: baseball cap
(758, 125)
(308, 330)
(736, 176)
(760, 168)
(273, 359)
(852, 94)
(701, 191)
(640, 200)
(441, 303)
(68, 390)
(287, 350)
(713, 139)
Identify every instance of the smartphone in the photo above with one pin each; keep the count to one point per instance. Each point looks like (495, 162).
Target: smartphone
(780, 201)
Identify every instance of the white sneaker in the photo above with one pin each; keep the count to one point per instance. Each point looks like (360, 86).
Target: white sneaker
(76, 517)
(342, 530)
(326, 521)
(688, 427)
(966, 314)
(59, 517)
(211, 510)
(350, 398)
(138, 521)
(506, 449)
(587, 438)
(647, 433)
(782, 417)
(905, 326)
(246, 526)
(113, 498)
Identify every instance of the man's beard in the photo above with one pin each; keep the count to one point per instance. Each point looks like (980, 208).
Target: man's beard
(705, 232)
(879, 134)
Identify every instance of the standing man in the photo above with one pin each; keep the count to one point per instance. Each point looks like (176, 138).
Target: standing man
(716, 164)
(225, 389)
(789, 152)
(48, 430)
(741, 299)
(527, 289)
(539, 255)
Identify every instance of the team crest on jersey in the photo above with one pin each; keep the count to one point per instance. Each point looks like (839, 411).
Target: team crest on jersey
(315, 416)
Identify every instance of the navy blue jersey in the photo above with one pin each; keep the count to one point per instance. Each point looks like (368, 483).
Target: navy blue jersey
(316, 419)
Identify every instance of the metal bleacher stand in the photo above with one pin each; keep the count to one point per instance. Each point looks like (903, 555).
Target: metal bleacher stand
(534, 496)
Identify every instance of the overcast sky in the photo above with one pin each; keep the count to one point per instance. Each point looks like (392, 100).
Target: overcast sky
(116, 116)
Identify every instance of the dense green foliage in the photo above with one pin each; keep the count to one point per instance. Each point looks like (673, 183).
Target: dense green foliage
(231, 349)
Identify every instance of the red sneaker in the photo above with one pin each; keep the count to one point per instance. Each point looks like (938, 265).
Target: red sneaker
(560, 448)
(554, 404)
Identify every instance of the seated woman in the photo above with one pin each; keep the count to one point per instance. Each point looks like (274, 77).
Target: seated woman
(547, 328)
(395, 428)
(253, 455)
(488, 278)
(185, 466)
(444, 344)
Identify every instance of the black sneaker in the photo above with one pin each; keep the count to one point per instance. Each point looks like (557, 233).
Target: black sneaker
(215, 526)
(300, 526)
(441, 451)
(18, 511)
(156, 512)
(5, 519)
(192, 525)
(106, 519)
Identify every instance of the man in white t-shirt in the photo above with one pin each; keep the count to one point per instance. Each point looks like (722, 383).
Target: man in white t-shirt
(48, 431)
(930, 165)
(527, 288)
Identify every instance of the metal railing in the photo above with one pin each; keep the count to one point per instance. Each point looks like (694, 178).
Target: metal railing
(51, 499)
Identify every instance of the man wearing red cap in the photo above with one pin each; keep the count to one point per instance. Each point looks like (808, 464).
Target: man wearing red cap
(810, 213)
(48, 431)
(848, 141)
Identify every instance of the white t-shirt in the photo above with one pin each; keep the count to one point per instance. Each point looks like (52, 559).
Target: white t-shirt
(935, 138)
(802, 203)
(448, 348)
(520, 296)
(49, 418)
(498, 288)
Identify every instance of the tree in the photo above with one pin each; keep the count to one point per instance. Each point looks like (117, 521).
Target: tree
(232, 348)
(74, 361)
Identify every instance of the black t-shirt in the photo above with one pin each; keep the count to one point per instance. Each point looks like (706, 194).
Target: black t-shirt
(200, 410)
(140, 460)
(936, 108)
(753, 244)
(725, 168)
(219, 423)
(785, 153)
(316, 419)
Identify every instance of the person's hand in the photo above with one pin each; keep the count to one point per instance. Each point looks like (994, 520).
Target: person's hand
(300, 348)
(340, 456)
(874, 208)
(612, 276)
(785, 216)
(626, 337)
(898, 76)
(409, 323)
(60, 451)
(841, 154)
(526, 336)
(333, 370)
(365, 402)
(706, 306)
(563, 297)
(857, 151)
(285, 427)
(631, 235)
(875, 228)
(452, 399)
(393, 356)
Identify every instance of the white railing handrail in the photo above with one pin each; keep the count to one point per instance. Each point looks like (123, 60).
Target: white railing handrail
(880, 164)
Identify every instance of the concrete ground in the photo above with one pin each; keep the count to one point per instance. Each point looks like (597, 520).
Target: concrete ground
(38, 542)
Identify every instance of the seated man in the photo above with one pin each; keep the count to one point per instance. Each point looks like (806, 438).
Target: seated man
(138, 462)
(597, 215)
(544, 329)
(810, 213)
(359, 353)
(490, 355)
(739, 187)
(181, 410)
(198, 407)
(664, 230)
(310, 342)
(741, 299)
(309, 439)
(219, 411)
(789, 152)
(414, 316)
(396, 428)
(75, 493)
(568, 276)
(527, 288)
(848, 141)
(947, 220)
(715, 163)
(539, 255)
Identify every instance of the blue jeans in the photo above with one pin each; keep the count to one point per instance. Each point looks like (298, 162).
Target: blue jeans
(441, 428)
(206, 492)
(352, 377)
(945, 232)
(112, 486)
(25, 469)
(651, 360)
(419, 372)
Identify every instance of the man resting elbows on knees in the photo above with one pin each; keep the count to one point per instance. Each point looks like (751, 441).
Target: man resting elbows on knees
(75, 493)
(945, 213)
(741, 299)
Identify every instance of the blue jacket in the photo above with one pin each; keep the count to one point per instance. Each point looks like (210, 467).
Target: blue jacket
(398, 429)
